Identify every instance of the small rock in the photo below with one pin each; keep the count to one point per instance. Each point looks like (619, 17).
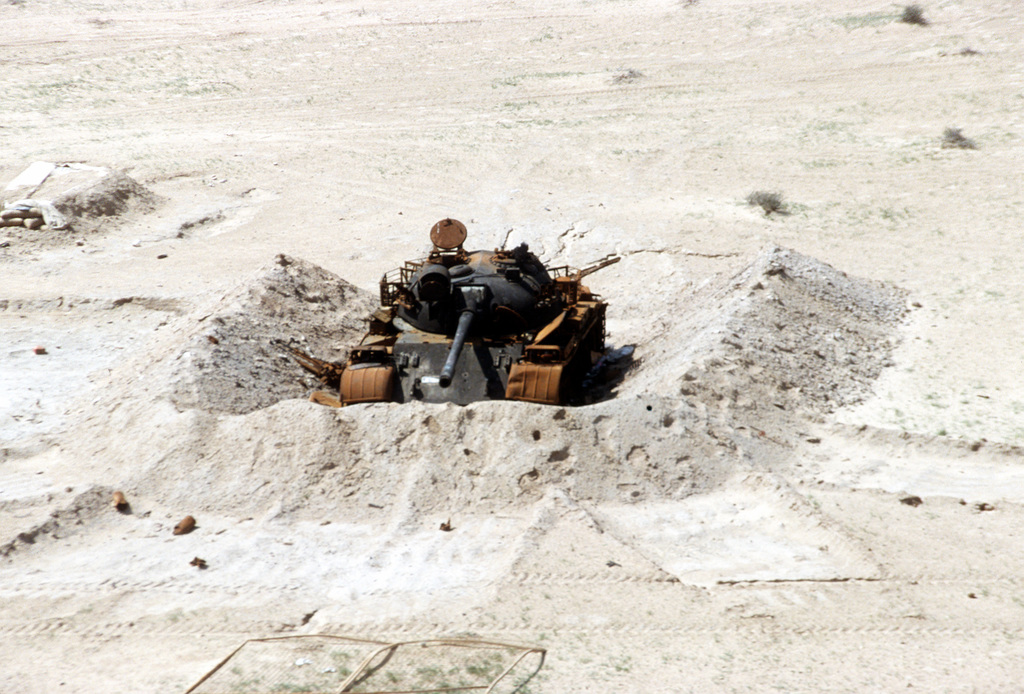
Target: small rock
(39, 350)
(185, 526)
(119, 502)
(197, 562)
(984, 507)
(911, 500)
(447, 526)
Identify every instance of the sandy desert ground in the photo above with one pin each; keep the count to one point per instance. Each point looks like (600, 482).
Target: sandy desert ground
(731, 520)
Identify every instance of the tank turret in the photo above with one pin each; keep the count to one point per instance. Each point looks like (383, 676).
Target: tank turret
(462, 326)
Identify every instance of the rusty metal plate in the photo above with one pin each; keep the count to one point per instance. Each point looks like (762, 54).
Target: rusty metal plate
(535, 383)
(322, 398)
(369, 384)
(448, 234)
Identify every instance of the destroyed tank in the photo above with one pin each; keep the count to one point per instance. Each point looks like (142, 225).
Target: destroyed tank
(462, 326)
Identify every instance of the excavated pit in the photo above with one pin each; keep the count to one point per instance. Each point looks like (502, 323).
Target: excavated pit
(214, 414)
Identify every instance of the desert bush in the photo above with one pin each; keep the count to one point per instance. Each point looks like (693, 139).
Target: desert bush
(913, 14)
(952, 138)
(769, 202)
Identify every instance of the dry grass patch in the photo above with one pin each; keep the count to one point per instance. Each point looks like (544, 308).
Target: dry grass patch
(952, 138)
(768, 201)
(913, 14)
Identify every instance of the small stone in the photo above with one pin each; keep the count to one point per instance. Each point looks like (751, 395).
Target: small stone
(119, 502)
(39, 350)
(185, 526)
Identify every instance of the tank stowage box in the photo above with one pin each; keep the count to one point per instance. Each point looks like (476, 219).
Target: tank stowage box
(462, 326)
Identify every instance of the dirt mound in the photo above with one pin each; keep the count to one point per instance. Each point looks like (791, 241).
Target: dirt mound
(84, 198)
(230, 356)
(112, 194)
(61, 522)
(787, 333)
(305, 461)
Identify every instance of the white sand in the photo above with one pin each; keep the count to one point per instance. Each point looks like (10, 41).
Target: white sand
(730, 522)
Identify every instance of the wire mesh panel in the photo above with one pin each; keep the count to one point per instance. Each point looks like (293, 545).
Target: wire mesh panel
(334, 664)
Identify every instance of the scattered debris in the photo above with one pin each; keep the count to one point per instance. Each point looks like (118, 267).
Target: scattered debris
(327, 663)
(911, 501)
(185, 526)
(982, 507)
(610, 563)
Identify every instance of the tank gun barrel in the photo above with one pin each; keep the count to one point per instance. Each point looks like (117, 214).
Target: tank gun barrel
(599, 265)
(465, 320)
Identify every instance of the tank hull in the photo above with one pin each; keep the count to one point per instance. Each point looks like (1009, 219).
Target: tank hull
(404, 366)
(481, 371)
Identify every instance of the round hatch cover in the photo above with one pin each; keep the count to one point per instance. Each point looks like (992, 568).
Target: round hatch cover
(448, 234)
